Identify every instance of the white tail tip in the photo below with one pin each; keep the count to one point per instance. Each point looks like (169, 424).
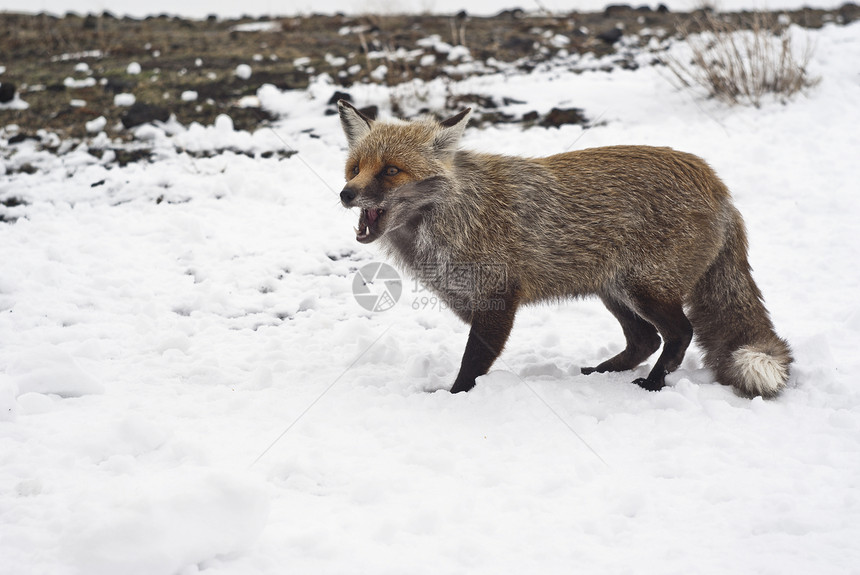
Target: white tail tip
(760, 372)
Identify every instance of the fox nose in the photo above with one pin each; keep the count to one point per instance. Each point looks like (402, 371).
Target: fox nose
(347, 195)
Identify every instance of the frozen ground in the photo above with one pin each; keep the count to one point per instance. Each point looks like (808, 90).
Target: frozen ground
(188, 386)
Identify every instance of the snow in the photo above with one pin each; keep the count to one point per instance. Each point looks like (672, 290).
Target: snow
(243, 71)
(16, 103)
(212, 513)
(257, 27)
(97, 125)
(187, 384)
(133, 69)
(124, 100)
(73, 83)
(51, 371)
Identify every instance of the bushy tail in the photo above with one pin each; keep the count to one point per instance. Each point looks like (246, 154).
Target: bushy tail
(732, 325)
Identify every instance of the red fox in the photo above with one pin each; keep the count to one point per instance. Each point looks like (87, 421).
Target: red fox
(651, 231)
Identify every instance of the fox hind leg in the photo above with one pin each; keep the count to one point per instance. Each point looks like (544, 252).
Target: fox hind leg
(677, 332)
(641, 336)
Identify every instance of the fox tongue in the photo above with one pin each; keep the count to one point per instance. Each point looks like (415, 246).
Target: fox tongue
(367, 222)
(372, 216)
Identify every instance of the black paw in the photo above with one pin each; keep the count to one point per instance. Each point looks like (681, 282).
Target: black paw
(461, 386)
(587, 370)
(649, 384)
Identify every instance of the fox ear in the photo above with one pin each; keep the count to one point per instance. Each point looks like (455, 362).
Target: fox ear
(355, 124)
(448, 137)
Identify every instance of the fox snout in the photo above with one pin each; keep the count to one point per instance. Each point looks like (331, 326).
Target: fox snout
(346, 196)
(357, 194)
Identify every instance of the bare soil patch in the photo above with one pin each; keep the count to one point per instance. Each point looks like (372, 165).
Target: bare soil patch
(70, 69)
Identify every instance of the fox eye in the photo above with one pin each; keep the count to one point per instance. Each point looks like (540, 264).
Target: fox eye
(355, 170)
(391, 170)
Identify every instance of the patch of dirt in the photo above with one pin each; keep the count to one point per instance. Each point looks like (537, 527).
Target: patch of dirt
(70, 69)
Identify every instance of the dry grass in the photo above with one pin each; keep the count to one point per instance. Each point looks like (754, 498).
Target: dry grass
(744, 62)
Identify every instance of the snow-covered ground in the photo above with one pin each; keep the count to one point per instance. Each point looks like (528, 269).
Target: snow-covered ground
(232, 9)
(188, 385)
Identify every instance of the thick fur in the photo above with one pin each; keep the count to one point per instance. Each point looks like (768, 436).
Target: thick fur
(651, 231)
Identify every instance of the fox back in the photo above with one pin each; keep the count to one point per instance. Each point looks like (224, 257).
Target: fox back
(651, 231)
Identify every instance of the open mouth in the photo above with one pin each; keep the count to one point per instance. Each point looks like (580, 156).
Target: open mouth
(369, 225)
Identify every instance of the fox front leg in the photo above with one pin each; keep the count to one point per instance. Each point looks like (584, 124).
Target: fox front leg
(490, 330)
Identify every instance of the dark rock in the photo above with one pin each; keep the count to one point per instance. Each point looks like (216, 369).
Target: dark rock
(662, 9)
(370, 111)
(13, 202)
(339, 96)
(461, 15)
(496, 118)
(7, 92)
(265, 77)
(91, 22)
(531, 117)
(512, 13)
(611, 36)
(560, 116)
(140, 113)
(506, 101)
(463, 100)
(615, 10)
(120, 85)
(519, 44)
(849, 12)
(215, 91)
(126, 157)
(18, 138)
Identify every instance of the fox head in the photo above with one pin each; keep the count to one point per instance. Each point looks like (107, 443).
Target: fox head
(395, 170)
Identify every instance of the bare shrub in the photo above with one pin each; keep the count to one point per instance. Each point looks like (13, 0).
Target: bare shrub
(741, 62)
